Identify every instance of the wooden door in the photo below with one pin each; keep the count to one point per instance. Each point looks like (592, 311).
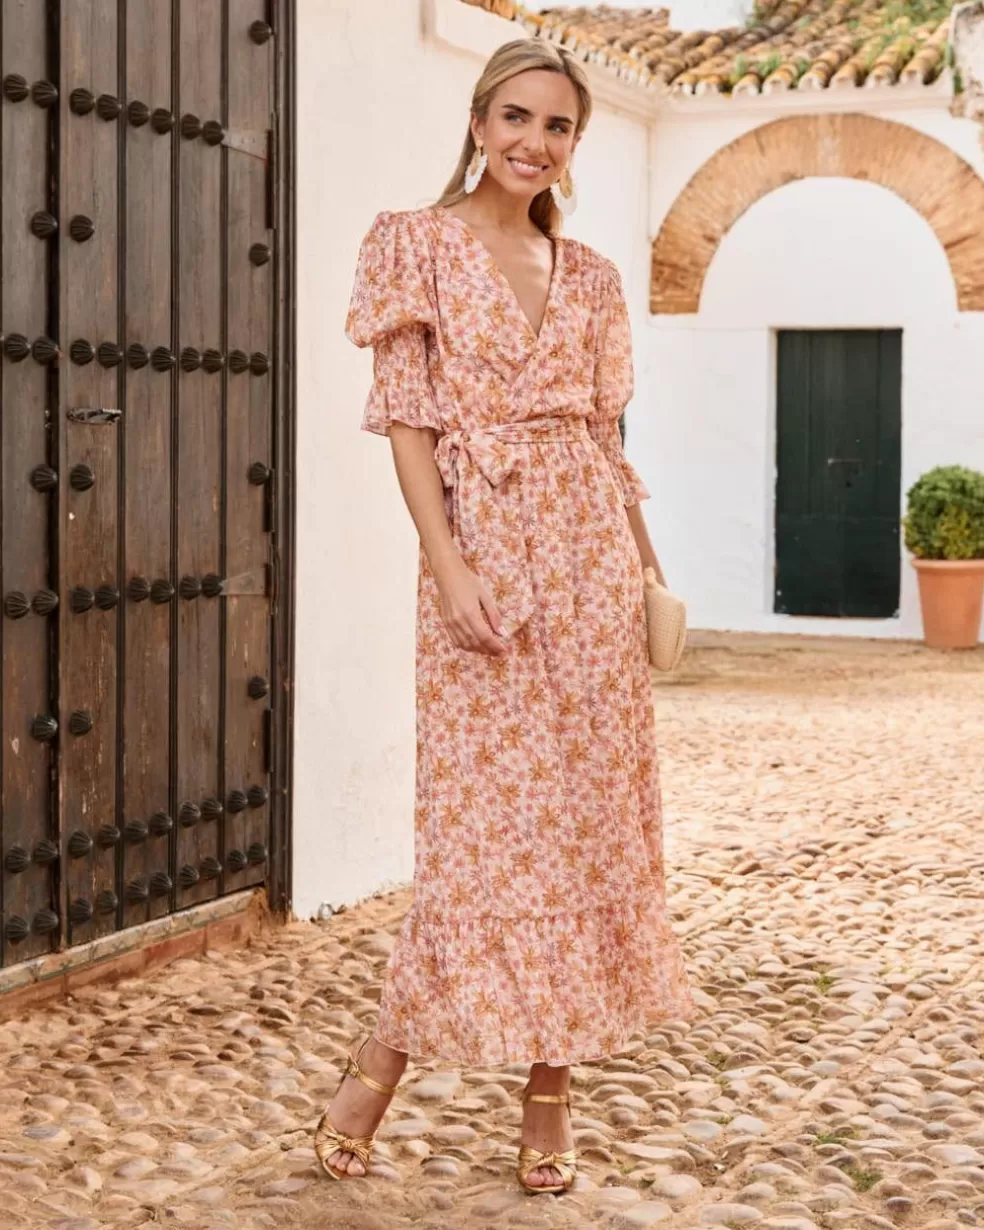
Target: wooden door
(143, 413)
(838, 473)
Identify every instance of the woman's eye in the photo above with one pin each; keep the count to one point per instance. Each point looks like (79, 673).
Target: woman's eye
(560, 128)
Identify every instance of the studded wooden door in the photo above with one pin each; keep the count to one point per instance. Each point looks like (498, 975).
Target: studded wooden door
(140, 311)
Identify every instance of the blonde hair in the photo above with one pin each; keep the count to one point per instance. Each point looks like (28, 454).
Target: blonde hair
(511, 59)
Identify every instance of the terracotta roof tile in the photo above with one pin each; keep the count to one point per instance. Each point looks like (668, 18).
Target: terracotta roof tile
(788, 44)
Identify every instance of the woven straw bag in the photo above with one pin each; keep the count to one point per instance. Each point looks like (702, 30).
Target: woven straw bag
(666, 620)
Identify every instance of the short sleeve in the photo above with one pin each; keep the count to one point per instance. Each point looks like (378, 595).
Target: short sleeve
(613, 385)
(392, 309)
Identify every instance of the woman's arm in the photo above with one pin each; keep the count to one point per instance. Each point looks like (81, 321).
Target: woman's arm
(467, 607)
(392, 308)
(646, 552)
(614, 381)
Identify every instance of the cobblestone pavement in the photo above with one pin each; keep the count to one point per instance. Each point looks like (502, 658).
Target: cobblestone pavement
(825, 811)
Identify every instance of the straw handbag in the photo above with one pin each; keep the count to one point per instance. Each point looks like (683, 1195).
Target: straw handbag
(666, 620)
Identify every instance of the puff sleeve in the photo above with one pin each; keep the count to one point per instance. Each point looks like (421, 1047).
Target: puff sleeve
(392, 309)
(613, 385)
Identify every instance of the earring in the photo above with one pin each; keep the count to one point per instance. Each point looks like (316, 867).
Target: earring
(476, 168)
(564, 193)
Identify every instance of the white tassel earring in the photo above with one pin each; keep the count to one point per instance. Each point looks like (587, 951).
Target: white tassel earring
(476, 169)
(564, 193)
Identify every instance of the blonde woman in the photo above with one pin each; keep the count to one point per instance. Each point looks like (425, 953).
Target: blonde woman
(538, 929)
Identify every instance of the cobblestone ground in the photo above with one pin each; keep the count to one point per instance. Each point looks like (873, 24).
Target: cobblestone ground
(825, 810)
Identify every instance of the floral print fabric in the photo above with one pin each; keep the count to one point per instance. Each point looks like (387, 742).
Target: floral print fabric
(538, 928)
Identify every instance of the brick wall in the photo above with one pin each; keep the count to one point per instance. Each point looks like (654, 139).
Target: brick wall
(925, 173)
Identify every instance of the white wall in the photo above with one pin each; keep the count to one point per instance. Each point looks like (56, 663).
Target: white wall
(819, 253)
(382, 112)
(383, 93)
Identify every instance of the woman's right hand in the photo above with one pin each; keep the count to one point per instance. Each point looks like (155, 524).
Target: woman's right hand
(469, 611)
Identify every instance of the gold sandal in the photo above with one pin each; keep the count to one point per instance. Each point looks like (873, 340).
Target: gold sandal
(531, 1159)
(328, 1141)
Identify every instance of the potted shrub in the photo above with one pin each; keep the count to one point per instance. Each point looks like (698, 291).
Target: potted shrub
(944, 530)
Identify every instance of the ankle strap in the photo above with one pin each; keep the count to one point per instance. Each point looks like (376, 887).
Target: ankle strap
(352, 1069)
(553, 1099)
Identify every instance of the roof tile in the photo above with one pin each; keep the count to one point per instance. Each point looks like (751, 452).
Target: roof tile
(787, 45)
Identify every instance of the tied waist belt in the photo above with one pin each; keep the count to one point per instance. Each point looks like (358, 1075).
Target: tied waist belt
(486, 523)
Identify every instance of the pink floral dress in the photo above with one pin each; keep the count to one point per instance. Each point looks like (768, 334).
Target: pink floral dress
(538, 928)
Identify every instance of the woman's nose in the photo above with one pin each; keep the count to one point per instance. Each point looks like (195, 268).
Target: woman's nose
(536, 142)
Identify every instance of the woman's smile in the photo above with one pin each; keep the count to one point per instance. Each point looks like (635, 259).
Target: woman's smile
(526, 169)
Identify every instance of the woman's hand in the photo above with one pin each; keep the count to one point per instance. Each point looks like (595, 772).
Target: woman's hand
(468, 610)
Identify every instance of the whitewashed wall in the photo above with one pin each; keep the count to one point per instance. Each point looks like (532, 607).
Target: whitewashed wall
(382, 112)
(819, 253)
(383, 92)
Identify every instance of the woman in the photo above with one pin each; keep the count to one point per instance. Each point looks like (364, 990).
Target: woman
(538, 929)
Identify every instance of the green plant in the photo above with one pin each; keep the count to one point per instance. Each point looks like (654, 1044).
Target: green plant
(945, 514)
(759, 15)
(864, 1179)
(836, 1137)
(917, 12)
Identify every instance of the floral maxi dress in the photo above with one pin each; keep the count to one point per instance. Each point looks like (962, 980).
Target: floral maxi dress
(538, 928)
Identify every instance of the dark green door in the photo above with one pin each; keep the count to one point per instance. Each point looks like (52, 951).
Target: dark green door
(839, 421)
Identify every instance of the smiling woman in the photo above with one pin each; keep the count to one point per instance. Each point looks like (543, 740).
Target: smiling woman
(523, 94)
(538, 928)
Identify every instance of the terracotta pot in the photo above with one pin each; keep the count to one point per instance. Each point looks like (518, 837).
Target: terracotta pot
(951, 593)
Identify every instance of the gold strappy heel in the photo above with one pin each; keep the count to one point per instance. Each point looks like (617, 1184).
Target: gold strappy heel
(531, 1159)
(328, 1141)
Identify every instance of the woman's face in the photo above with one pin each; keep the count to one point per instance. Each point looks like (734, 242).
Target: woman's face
(529, 131)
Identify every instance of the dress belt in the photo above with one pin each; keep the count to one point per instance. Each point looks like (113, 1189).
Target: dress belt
(487, 523)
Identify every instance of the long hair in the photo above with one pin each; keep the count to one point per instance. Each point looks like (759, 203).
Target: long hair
(511, 59)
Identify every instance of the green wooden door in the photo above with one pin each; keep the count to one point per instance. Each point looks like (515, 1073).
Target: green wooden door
(838, 452)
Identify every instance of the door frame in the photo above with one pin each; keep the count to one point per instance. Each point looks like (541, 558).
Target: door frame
(770, 544)
(279, 884)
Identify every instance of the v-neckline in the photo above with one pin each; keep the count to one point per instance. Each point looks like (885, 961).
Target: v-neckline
(556, 244)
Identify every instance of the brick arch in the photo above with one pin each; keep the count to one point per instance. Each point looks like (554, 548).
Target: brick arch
(926, 174)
